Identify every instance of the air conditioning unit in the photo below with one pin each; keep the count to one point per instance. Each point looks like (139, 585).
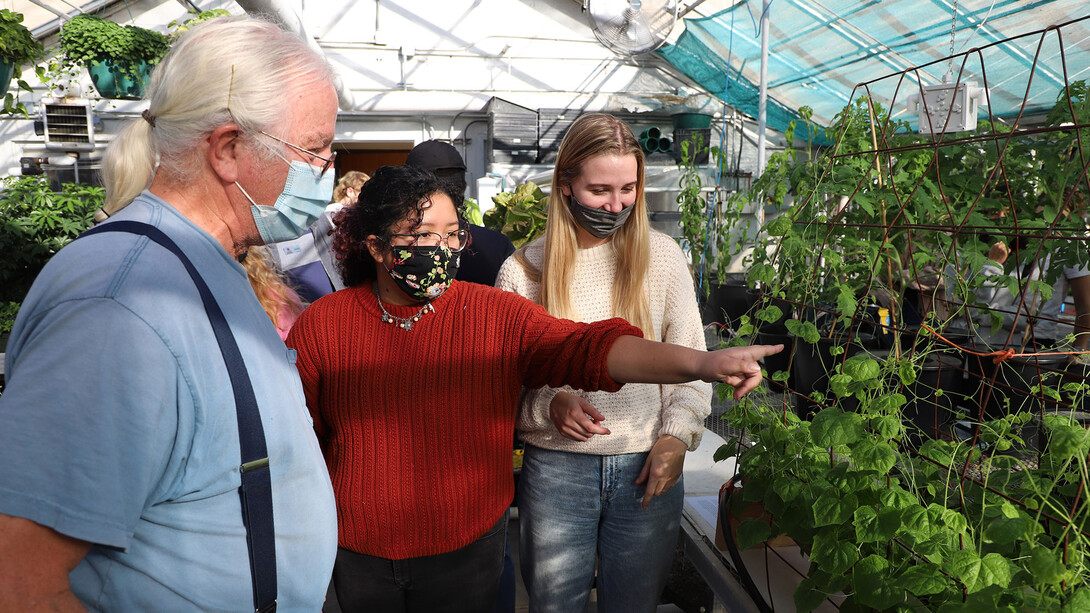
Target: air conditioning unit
(68, 123)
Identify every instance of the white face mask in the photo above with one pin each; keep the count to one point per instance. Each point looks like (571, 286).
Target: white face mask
(301, 202)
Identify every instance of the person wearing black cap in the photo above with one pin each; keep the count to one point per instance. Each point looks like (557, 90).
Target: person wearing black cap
(487, 249)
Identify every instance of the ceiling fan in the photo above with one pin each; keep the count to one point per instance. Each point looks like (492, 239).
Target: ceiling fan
(632, 27)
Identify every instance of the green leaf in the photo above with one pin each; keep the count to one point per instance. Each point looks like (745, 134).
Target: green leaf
(874, 455)
(832, 508)
(845, 301)
(907, 371)
(923, 580)
(840, 385)
(861, 369)
(1067, 440)
(832, 427)
(1079, 602)
(994, 570)
(753, 531)
(1005, 530)
(770, 313)
(872, 585)
(806, 330)
(1045, 566)
(807, 597)
(916, 521)
(728, 449)
(779, 226)
(887, 426)
(965, 565)
(866, 525)
(835, 555)
(889, 403)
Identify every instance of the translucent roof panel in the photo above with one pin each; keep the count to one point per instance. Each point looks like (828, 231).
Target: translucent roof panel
(824, 54)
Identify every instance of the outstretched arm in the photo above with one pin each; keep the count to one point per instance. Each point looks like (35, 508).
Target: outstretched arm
(636, 360)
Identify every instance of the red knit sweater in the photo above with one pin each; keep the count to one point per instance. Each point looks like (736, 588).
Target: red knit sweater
(416, 425)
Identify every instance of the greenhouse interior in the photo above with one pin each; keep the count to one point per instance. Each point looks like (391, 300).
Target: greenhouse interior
(860, 242)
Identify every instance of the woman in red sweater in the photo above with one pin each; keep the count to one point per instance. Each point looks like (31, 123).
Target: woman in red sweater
(413, 381)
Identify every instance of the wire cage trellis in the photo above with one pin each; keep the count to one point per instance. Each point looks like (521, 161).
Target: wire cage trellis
(929, 449)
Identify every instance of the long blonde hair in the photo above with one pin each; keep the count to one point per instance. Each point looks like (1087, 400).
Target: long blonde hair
(270, 285)
(589, 136)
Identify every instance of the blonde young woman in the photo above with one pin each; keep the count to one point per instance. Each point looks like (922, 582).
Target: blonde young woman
(602, 472)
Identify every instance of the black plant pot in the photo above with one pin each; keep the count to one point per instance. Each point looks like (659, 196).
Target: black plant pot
(927, 410)
(815, 362)
(778, 361)
(1013, 383)
(757, 302)
(727, 303)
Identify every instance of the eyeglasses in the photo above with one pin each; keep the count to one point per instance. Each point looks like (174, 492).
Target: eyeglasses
(328, 160)
(456, 240)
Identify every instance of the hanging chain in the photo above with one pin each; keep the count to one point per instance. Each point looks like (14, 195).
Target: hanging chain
(953, 27)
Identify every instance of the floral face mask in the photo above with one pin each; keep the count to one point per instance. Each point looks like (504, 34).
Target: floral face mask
(423, 273)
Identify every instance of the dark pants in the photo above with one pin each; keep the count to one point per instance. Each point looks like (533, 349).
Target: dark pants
(465, 580)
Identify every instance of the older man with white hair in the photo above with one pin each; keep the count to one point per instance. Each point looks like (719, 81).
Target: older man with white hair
(156, 453)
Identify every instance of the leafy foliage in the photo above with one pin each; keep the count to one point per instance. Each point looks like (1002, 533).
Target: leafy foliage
(88, 38)
(520, 214)
(35, 222)
(194, 17)
(893, 519)
(17, 47)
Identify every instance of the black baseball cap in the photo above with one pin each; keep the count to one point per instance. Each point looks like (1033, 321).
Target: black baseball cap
(435, 155)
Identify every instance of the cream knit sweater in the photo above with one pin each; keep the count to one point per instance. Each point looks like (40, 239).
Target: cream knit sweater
(638, 414)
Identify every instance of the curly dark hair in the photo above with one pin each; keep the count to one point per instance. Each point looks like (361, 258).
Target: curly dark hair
(394, 193)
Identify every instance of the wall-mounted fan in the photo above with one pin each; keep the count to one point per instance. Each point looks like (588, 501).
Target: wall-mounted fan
(632, 27)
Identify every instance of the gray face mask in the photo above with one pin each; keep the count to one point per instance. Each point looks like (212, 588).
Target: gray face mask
(599, 223)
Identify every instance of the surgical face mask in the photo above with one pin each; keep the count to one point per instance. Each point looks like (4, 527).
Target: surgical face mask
(599, 223)
(423, 273)
(303, 199)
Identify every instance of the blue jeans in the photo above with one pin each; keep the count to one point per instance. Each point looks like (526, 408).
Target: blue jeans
(465, 580)
(574, 506)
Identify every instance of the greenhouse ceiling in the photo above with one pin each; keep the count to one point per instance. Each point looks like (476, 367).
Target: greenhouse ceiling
(824, 54)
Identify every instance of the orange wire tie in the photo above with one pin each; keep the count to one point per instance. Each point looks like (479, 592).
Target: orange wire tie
(999, 355)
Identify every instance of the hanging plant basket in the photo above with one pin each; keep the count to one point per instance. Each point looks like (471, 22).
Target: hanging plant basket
(112, 82)
(118, 58)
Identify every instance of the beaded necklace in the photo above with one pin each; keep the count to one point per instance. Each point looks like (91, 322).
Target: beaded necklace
(405, 323)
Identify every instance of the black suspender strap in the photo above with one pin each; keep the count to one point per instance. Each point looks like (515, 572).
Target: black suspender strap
(256, 489)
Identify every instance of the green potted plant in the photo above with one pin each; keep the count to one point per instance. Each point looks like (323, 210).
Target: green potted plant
(17, 47)
(118, 58)
(35, 222)
(520, 214)
(943, 527)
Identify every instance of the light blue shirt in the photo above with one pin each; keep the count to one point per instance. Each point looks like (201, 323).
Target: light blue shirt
(118, 427)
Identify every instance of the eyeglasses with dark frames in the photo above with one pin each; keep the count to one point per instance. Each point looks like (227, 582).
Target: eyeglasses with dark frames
(455, 240)
(328, 160)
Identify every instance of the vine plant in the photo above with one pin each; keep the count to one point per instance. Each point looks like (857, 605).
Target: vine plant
(893, 520)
